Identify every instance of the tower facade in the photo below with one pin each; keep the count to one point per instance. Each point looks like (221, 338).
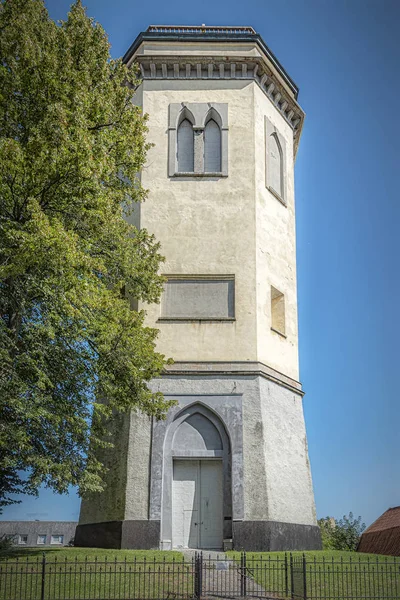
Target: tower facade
(229, 466)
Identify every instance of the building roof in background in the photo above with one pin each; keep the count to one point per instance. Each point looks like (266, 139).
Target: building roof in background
(383, 536)
(389, 519)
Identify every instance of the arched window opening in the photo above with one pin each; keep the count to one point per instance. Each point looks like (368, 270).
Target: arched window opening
(212, 147)
(275, 164)
(185, 147)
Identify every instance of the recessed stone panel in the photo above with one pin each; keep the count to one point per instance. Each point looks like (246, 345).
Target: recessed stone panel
(198, 298)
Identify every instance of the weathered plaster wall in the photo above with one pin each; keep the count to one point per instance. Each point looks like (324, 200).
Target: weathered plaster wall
(205, 225)
(126, 495)
(275, 246)
(225, 225)
(138, 468)
(285, 454)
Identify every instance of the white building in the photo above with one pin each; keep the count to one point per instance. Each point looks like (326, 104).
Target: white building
(230, 464)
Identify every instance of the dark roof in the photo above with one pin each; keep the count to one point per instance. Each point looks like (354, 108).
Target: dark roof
(204, 34)
(383, 536)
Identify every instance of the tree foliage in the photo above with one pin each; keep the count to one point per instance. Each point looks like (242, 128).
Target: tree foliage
(341, 534)
(72, 143)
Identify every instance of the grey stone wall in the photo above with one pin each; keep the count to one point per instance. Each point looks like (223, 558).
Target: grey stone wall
(138, 468)
(109, 505)
(271, 479)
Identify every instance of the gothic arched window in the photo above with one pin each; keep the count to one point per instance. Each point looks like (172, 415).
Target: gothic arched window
(275, 164)
(198, 139)
(185, 147)
(212, 147)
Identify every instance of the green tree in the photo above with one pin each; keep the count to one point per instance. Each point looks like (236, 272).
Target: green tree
(326, 525)
(72, 143)
(341, 534)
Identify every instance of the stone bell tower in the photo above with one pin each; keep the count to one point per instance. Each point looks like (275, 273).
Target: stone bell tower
(229, 466)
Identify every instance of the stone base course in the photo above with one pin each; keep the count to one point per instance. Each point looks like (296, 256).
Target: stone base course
(273, 536)
(135, 535)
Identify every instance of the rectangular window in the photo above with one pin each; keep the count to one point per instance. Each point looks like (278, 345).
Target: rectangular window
(23, 540)
(41, 539)
(277, 311)
(191, 297)
(57, 539)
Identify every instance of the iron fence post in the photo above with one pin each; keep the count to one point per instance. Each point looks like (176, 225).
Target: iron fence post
(243, 580)
(43, 576)
(198, 575)
(291, 576)
(286, 576)
(304, 577)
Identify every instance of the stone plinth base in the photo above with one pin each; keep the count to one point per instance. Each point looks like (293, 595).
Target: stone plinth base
(270, 536)
(258, 536)
(135, 535)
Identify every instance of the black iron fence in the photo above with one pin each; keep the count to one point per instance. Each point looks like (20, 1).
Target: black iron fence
(238, 575)
(360, 578)
(96, 579)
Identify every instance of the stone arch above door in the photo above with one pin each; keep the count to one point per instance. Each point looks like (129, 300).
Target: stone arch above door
(196, 433)
(199, 425)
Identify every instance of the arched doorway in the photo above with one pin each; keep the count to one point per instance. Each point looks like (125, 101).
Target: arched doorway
(200, 486)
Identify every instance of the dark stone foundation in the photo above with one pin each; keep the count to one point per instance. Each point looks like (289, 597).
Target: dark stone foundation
(135, 535)
(258, 536)
(270, 536)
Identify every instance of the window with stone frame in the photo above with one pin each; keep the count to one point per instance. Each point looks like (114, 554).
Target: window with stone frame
(275, 162)
(198, 139)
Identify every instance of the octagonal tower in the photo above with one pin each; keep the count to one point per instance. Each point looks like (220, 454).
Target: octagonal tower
(229, 466)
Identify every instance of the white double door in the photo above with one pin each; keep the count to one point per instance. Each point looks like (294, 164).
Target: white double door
(197, 504)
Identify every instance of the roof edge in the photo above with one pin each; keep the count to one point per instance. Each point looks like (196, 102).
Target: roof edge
(212, 35)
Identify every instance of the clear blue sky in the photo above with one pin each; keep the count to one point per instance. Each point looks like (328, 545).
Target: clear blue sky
(345, 57)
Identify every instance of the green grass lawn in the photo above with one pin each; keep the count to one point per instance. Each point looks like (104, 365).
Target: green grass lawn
(34, 554)
(92, 573)
(332, 575)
